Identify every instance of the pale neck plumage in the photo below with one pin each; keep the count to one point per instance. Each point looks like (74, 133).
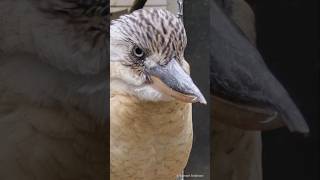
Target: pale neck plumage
(129, 109)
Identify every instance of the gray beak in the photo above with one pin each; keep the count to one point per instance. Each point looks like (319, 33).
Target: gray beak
(246, 94)
(172, 80)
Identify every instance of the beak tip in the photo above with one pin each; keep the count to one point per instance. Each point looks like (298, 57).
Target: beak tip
(201, 100)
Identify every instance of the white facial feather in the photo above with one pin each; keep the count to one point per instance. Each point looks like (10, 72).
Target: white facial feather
(156, 30)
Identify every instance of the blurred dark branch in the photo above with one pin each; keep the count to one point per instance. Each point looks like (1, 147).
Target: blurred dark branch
(137, 4)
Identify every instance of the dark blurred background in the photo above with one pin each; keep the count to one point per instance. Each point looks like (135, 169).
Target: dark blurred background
(196, 18)
(287, 35)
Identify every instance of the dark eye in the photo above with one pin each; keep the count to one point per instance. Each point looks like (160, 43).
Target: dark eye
(138, 52)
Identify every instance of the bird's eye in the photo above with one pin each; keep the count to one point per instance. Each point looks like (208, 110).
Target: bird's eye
(138, 52)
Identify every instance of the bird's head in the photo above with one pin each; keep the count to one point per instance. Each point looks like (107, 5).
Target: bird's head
(147, 57)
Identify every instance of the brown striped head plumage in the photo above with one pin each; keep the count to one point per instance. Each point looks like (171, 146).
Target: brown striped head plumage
(156, 31)
(146, 47)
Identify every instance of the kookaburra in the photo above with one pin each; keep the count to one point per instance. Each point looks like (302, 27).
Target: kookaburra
(244, 92)
(151, 96)
(53, 89)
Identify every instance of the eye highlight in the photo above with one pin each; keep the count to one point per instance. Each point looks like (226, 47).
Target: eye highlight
(138, 52)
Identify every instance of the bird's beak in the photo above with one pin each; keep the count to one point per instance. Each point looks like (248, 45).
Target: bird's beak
(172, 80)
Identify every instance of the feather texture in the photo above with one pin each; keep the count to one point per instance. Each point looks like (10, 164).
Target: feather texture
(149, 140)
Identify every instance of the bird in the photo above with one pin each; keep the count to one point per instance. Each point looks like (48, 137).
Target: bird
(243, 159)
(53, 84)
(151, 93)
(242, 83)
(246, 97)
